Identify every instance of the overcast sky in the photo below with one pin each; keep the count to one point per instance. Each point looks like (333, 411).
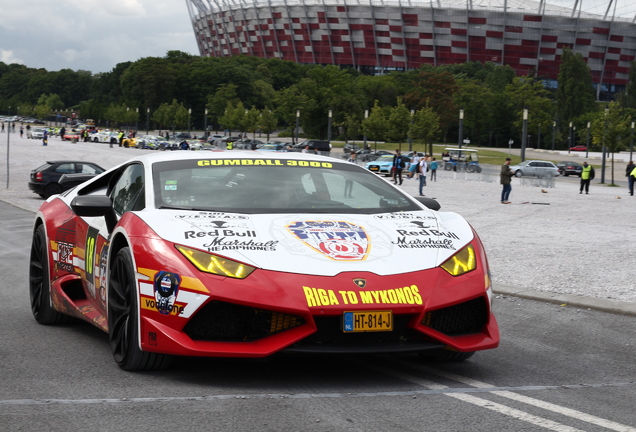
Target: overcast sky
(92, 35)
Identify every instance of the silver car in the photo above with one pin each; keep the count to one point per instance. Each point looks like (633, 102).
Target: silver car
(35, 133)
(535, 168)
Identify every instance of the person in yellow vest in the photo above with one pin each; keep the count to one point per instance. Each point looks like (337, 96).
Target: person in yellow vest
(230, 145)
(586, 176)
(120, 137)
(632, 179)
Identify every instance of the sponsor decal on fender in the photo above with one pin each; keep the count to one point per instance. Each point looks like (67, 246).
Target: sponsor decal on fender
(65, 257)
(166, 288)
(294, 163)
(409, 295)
(338, 240)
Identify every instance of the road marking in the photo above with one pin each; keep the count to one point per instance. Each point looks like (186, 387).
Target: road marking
(578, 415)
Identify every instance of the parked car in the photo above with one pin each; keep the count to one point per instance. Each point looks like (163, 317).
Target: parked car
(35, 133)
(382, 165)
(71, 135)
(45, 179)
(535, 168)
(578, 148)
(272, 147)
(349, 147)
(567, 167)
(105, 136)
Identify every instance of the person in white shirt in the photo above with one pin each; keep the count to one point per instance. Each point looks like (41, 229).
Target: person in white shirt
(423, 166)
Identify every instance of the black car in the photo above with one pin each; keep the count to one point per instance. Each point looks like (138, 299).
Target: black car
(567, 167)
(350, 147)
(45, 179)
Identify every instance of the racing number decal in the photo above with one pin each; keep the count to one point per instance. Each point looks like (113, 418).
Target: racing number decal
(89, 257)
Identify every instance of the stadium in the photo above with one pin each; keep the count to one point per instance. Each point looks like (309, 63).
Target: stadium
(378, 36)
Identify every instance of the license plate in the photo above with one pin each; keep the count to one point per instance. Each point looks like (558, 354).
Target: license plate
(374, 168)
(367, 321)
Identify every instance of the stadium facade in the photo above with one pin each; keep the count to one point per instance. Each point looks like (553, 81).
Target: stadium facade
(377, 36)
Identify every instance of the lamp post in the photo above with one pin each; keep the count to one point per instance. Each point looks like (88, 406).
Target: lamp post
(524, 136)
(297, 125)
(127, 124)
(329, 126)
(461, 127)
(631, 145)
(147, 119)
(553, 133)
(603, 160)
(587, 140)
(189, 115)
(366, 116)
(570, 138)
(410, 135)
(205, 125)
(136, 120)
(539, 137)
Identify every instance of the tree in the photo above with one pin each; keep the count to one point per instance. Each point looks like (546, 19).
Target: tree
(251, 120)
(233, 117)
(611, 129)
(398, 123)
(627, 99)
(375, 127)
(575, 93)
(267, 121)
(425, 126)
(530, 94)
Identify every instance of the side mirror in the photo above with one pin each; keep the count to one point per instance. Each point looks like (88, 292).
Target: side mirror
(91, 205)
(429, 202)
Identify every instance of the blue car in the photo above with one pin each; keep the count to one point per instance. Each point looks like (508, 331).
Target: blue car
(381, 165)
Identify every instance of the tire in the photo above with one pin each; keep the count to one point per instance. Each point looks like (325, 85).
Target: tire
(52, 189)
(470, 168)
(478, 169)
(123, 317)
(443, 355)
(95, 140)
(518, 173)
(40, 284)
(448, 167)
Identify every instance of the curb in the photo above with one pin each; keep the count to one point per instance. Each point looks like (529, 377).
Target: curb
(600, 304)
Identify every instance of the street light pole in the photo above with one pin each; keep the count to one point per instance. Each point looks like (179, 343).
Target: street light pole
(205, 125)
(587, 141)
(570, 138)
(461, 127)
(189, 116)
(631, 146)
(410, 134)
(147, 120)
(539, 137)
(553, 134)
(524, 136)
(366, 116)
(329, 126)
(297, 125)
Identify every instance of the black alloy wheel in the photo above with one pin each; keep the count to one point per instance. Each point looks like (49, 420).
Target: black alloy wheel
(39, 283)
(123, 317)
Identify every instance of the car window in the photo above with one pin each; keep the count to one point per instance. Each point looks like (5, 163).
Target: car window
(88, 169)
(534, 164)
(65, 168)
(127, 194)
(281, 186)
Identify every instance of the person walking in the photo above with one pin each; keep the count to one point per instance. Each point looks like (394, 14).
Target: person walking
(505, 178)
(587, 175)
(422, 174)
(433, 166)
(398, 166)
(21, 131)
(415, 164)
(45, 138)
(630, 178)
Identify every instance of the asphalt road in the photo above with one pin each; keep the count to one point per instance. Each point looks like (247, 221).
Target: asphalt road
(558, 368)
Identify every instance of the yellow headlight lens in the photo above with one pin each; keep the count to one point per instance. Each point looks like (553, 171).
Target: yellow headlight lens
(462, 262)
(217, 265)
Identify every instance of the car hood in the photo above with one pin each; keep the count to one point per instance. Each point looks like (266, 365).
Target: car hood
(319, 244)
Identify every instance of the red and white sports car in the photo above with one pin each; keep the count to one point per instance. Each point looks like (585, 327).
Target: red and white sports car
(247, 254)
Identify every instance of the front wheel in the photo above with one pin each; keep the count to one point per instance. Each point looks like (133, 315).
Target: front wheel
(123, 318)
(40, 284)
(518, 173)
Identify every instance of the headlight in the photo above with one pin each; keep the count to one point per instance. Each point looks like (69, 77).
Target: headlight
(462, 262)
(214, 264)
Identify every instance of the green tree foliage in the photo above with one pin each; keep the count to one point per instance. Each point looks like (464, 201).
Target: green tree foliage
(267, 122)
(399, 123)
(627, 99)
(377, 125)
(530, 94)
(575, 94)
(611, 129)
(425, 126)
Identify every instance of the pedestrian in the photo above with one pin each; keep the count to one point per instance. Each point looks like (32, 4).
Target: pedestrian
(398, 167)
(45, 138)
(630, 178)
(423, 167)
(433, 167)
(305, 150)
(505, 178)
(120, 137)
(21, 131)
(415, 164)
(2, 126)
(62, 132)
(587, 175)
(352, 158)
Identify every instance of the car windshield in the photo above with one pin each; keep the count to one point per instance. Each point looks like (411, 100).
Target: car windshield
(274, 186)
